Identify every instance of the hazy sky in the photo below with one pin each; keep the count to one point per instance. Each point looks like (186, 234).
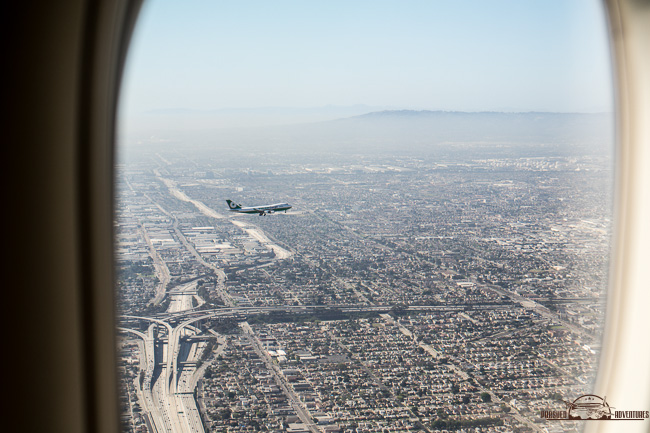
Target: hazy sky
(516, 55)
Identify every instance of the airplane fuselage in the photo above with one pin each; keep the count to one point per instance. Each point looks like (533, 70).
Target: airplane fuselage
(261, 210)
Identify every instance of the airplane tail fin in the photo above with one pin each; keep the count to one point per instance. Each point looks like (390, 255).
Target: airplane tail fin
(233, 205)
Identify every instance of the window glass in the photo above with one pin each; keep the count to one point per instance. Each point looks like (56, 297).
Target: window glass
(417, 229)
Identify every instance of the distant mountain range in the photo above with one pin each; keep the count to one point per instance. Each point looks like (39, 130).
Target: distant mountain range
(430, 113)
(426, 117)
(423, 129)
(513, 134)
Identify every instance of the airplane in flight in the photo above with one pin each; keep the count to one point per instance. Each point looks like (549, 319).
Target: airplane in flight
(261, 210)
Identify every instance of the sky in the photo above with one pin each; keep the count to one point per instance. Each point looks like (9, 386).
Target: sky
(456, 55)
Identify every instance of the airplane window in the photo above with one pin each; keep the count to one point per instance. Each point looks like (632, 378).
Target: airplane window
(359, 217)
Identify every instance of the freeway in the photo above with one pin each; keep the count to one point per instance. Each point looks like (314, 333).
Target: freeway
(538, 308)
(221, 275)
(310, 309)
(160, 267)
(147, 364)
(163, 271)
(167, 389)
(182, 296)
(252, 230)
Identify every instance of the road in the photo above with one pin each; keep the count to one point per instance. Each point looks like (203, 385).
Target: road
(374, 377)
(181, 297)
(538, 308)
(167, 391)
(160, 267)
(253, 231)
(455, 367)
(221, 276)
(287, 389)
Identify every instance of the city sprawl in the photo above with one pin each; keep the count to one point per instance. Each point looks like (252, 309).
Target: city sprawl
(406, 291)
